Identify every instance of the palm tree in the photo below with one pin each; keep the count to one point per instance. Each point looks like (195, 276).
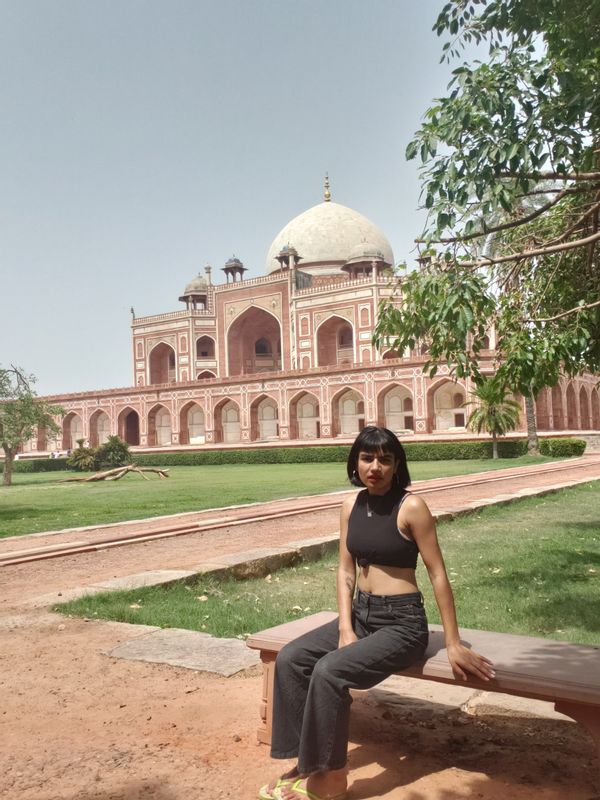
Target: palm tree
(496, 412)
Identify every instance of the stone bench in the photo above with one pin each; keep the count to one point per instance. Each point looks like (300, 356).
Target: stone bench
(565, 674)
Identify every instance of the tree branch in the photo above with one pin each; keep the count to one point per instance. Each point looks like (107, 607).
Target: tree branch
(542, 251)
(553, 176)
(506, 225)
(566, 313)
(593, 209)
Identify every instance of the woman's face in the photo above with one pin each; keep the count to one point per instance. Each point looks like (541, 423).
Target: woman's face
(376, 470)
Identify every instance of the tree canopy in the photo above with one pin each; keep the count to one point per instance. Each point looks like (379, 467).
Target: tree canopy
(20, 413)
(510, 165)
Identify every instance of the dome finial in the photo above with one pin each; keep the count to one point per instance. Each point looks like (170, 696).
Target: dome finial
(327, 194)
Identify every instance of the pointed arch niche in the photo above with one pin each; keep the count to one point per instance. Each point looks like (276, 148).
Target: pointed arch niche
(445, 407)
(595, 403)
(72, 430)
(162, 364)
(335, 342)
(395, 409)
(254, 343)
(304, 417)
(227, 422)
(128, 426)
(264, 419)
(99, 428)
(192, 424)
(558, 414)
(571, 408)
(584, 410)
(348, 413)
(159, 426)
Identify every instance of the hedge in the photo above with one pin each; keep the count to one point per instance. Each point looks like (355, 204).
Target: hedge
(38, 465)
(415, 451)
(562, 447)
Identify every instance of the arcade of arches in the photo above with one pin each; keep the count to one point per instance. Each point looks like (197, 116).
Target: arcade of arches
(566, 406)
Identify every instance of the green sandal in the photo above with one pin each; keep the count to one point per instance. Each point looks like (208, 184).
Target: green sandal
(264, 793)
(296, 786)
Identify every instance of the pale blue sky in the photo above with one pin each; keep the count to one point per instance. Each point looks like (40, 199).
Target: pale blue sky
(141, 139)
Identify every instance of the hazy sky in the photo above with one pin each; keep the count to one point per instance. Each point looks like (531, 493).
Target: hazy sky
(141, 139)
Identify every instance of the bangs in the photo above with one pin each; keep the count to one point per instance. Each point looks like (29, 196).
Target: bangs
(382, 441)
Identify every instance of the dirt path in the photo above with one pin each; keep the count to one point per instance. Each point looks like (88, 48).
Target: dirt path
(76, 724)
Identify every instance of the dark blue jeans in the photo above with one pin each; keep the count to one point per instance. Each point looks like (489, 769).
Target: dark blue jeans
(311, 699)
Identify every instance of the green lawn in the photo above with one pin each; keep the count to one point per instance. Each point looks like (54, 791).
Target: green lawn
(532, 567)
(39, 502)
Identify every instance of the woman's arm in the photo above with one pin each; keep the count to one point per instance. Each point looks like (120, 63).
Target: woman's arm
(346, 579)
(422, 527)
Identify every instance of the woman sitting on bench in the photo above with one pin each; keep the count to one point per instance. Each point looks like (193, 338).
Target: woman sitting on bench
(381, 629)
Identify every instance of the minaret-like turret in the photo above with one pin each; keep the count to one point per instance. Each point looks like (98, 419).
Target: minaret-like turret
(234, 269)
(288, 257)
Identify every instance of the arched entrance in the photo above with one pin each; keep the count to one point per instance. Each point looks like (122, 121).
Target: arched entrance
(254, 343)
(445, 407)
(264, 419)
(395, 409)
(571, 408)
(191, 424)
(227, 422)
(72, 430)
(335, 342)
(584, 410)
(558, 415)
(162, 364)
(205, 348)
(595, 398)
(304, 417)
(348, 415)
(128, 426)
(159, 427)
(99, 428)
(542, 415)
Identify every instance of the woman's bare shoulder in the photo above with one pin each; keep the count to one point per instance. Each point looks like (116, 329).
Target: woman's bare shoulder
(348, 503)
(414, 504)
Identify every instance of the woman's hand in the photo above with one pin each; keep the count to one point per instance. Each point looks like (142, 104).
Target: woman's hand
(463, 660)
(347, 637)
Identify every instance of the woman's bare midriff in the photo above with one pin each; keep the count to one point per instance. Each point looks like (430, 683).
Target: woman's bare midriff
(377, 579)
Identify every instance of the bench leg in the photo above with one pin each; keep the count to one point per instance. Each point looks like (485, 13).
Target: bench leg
(266, 704)
(588, 716)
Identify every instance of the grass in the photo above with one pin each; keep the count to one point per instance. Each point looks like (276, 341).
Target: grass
(531, 568)
(39, 502)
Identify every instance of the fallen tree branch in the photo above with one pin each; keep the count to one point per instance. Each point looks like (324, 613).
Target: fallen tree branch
(117, 473)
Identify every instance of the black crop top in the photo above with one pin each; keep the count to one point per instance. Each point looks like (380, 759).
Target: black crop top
(373, 535)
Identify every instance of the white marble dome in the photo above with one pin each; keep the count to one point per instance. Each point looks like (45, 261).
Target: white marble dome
(326, 236)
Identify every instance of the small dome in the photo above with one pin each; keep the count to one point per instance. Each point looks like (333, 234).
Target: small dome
(325, 236)
(234, 262)
(365, 251)
(198, 285)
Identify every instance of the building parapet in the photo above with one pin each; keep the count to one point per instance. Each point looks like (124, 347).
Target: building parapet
(171, 315)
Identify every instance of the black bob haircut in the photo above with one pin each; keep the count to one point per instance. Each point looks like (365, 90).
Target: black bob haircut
(378, 440)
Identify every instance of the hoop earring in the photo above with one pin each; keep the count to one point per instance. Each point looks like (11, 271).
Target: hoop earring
(354, 474)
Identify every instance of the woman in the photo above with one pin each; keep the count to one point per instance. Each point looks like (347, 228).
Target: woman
(381, 629)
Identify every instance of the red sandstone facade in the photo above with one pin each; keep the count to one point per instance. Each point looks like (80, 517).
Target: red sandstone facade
(289, 357)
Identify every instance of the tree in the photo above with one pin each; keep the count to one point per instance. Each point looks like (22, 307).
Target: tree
(513, 153)
(495, 412)
(20, 413)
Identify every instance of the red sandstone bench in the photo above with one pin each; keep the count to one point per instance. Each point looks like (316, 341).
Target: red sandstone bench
(566, 674)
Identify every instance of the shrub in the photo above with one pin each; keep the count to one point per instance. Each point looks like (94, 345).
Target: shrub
(82, 459)
(113, 453)
(562, 447)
